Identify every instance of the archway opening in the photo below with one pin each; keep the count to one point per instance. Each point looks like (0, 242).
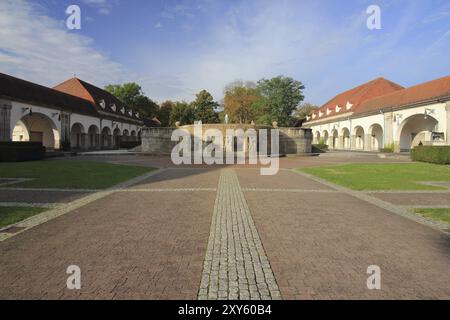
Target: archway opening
(345, 138)
(359, 138)
(416, 130)
(116, 138)
(133, 135)
(93, 137)
(334, 139)
(125, 135)
(376, 137)
(77, 136)
(39, 128)
(317, 137)
(325, 137)
(106, 137)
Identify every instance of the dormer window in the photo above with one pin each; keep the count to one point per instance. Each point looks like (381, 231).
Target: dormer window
(338, 109)
(113, 107)
(102, 104)
(320, 114)
(307, 118)
(122, 110)
(130, 113)
(328, 111)
(137, 114)
(349, 105)
(313, 115)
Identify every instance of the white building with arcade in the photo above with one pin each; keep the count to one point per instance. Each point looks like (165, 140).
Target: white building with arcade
(382, 114)
(74, 114)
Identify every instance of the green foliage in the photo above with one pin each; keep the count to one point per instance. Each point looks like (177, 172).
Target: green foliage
(239, 100)
(205, 108)
(164, 113)
(303, 110)
(319, 148)
(73, 174)
(432, 154)
(280, 97)
(131, 94)
(182, 112)
(383, 176)
(438, 214)
(389, 148)
(11, 215)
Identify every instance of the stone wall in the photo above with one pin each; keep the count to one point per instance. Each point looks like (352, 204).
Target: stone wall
(293, 141)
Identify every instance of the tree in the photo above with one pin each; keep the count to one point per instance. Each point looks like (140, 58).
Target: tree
(280, 97)
(131, 95)
(205, 107)
(164, 112)
(239, 100)
(304, 109)
(182, 112)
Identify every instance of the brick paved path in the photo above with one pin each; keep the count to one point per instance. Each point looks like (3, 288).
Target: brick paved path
(167, 238)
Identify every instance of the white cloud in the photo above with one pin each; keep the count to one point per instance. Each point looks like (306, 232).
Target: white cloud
(103, 7)
(40, 49)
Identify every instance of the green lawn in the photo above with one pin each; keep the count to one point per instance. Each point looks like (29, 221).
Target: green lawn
(10, 215)
(70, 174)
(441, 214)
(383, 176)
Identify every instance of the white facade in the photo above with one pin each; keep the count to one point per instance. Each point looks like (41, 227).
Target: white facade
(28, 122)
(399, 128)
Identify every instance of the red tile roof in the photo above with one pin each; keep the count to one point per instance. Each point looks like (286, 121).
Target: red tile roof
(356, 97)
(32, 93)
(420, 93)
(96, 95)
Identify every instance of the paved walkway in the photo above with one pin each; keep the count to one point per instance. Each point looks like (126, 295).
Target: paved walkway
(188, 233)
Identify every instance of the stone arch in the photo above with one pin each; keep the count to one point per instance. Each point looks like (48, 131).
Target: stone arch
(125, 135)
(345, 138)
(93, 137)
(133, 135)
(334, 139)
(117, 135)
(106, 137)
(316, 137)
(325, 137)
(416, 130)
(359, 138)
(37, 127)
(77, 136)
(376, 137)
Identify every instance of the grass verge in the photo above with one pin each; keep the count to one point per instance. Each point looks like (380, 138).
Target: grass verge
(11, 215)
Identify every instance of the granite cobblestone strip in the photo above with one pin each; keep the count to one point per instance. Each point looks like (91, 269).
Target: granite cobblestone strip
(235, 266)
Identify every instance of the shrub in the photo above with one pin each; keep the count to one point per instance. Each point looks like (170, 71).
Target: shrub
(432, 154)
(319, 148)
(129, 144)
(390, 148)
(21, 151)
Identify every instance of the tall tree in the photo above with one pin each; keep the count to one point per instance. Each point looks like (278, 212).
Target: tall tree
(182, 112)
(164, 112)
(281, 96)
(132, 95)
(304, 109)
(239, 100)
(205, 107)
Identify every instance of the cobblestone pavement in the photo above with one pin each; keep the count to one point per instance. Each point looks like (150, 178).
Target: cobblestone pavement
(236, 266)
(286, 236)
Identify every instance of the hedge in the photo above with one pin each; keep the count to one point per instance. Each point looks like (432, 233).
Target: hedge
(21, 151)
(129, 144)
(319, 148)
(432, 154)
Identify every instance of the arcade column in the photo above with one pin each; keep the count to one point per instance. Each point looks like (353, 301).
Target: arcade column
(5, 120)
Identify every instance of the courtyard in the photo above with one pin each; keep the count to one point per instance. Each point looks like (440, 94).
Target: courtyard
(140, 227)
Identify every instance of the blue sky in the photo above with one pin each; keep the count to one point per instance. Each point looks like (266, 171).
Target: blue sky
(176, 48)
